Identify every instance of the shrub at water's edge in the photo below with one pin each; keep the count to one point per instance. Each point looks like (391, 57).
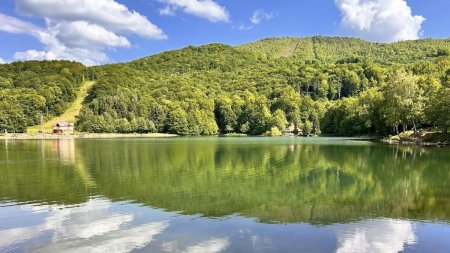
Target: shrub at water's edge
(421, 137)
(274, 131)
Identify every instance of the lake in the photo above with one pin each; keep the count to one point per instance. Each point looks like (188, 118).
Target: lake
(212, 194)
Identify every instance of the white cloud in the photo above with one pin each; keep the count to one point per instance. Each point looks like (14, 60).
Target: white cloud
(78, 30)
(14, 25)
(106, 13)
(2, 61)
(380, 20)
(84, 35)
(167, 11)
(34, 55)
(380, 235)
(54, 40)
(259, 16)
(85, 56)
(201, 8)
(244, 27)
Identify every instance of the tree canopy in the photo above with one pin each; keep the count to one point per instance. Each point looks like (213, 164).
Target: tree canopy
(321, 85)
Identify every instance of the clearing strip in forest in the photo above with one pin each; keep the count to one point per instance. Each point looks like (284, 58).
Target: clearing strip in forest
(70, 114)
(289, 50)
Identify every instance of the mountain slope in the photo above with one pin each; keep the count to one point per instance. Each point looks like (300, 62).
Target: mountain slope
(33, 88)
(332, 49)
(334, 85)
(70, 114)
(250, 89)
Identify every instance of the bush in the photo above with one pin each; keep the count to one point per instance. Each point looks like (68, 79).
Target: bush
(274, 131)
(395, 138)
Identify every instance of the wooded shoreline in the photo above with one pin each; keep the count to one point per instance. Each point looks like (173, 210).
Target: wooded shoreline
(22, 136)
(418, 142)
(215, 89)
(422, 137)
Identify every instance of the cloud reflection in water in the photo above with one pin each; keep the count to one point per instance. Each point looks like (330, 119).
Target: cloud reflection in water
(90, 227)
(213, 245)
(378, 235)
(97, 226)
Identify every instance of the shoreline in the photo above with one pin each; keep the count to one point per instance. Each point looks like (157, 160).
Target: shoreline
(26, 136)
(419, 142)
(22, 136)
(422, 138)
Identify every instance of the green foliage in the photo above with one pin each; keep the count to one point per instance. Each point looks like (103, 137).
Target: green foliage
(245, 128)
(279, 120)
(274, 131)
(12, 117)
(350, 50)
(177, 121)
(224, 113)
(323, 85)
(30, 89)
(438, 110)
(403, 99)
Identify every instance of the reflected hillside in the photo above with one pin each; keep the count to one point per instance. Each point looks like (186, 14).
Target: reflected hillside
(43, 172)
(280, 180)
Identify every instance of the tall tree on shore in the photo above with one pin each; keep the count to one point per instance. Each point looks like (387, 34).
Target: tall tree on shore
(438, 111)
(403, 102)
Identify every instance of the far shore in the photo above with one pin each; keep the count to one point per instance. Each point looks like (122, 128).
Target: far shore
(423, 137)
(24, 136)
(404, 138)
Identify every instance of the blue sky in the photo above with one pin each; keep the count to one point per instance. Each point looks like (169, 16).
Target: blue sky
(104, 31)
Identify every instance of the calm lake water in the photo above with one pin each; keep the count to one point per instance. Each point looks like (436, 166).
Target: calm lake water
(223, 195)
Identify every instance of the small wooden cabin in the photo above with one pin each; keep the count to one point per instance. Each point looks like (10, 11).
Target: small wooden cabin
(63, 127)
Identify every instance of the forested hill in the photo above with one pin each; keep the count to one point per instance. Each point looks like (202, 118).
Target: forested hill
(29, 90)
(333, 49)
(322, 85)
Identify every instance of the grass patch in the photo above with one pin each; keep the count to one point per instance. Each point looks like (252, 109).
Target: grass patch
(70, 114)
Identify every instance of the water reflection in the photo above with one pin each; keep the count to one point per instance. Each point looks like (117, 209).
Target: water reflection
(276, 182)
(89, 227)
(102, 226)
(65, 148)
(210, 246)
(382, 235)
(214, 195)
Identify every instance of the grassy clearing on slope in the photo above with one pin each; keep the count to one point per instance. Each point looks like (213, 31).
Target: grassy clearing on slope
(289, 50)
(70, 114)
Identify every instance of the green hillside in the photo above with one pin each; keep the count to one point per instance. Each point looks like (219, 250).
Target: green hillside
(322, 85)
(332, 49)
(34, 88)
(69, 115)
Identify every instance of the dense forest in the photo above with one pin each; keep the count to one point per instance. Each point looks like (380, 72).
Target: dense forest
(324, 85)
(31, 90)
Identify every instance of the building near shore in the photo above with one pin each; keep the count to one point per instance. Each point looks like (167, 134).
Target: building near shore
(63, 127)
